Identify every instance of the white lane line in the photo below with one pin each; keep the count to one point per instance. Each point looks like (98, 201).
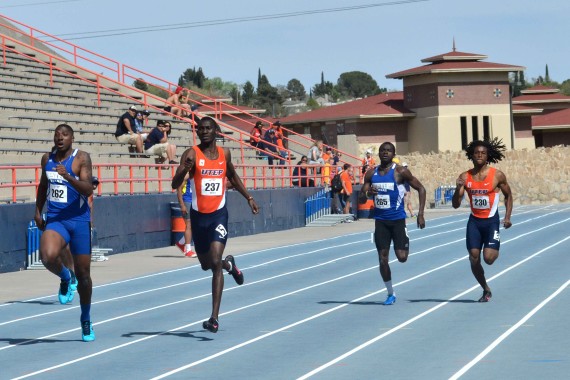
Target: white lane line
(328, 262)
(248, 306)
(236, 310)
(503, 336)
(322, 249)
(419, 316)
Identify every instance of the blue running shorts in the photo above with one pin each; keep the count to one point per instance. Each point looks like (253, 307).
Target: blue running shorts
(207, 228)
(483, 232)
(76, 234)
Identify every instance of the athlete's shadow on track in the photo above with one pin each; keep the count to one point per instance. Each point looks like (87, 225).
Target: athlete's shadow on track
(36, 302)
(29, 341)
(180, 334)
(367, 303)
(440, 301)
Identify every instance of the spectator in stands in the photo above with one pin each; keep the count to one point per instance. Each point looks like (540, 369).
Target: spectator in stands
(270, 145)
(327, 154)
(255, 135)
(346, 176)
(157, 143)
(139, 124)
(316, 153)
(301, 174)
(126, 133)
(279, 133)
(281, 148)
(180, 102)
(368, 161)
(327, 178)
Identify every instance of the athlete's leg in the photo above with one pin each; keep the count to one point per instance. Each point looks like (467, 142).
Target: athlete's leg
(477, 268)
(84, 282)
(385, 271)
(490, 255)
(52, 246)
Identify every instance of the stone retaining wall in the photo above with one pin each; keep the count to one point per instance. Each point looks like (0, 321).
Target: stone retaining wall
(536, 176)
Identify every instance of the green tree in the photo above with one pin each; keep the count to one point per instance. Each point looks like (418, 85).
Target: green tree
(248, 94)
(546, 75)
(296, 89)
(268, 97)
(565, 87)
(140, 84)
(323, 88)
(312, 104)
(357, 84)
(192, 77)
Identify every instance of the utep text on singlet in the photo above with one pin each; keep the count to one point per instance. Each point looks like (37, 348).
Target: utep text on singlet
(482, 197)
(389, 202)
(63, 200)
(187, 191)
(209, 184)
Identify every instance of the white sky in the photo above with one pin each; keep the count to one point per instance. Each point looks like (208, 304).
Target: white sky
(377, 40)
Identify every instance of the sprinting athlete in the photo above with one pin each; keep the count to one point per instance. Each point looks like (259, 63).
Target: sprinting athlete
(482, 184)
(385, 184)
(208, 166)
(66, 185)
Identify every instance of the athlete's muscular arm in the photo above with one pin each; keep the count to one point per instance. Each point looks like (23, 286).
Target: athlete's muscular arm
(236, 182)
(42, 195)
(81, 164)
(459, 190)
(367, 190)
(415, 183)
(186, 166)
(506, 189)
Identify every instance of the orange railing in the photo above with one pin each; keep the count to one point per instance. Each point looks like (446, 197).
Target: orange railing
(78, 55)
(23, 181)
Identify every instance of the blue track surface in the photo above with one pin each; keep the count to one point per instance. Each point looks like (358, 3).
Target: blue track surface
(312, 310)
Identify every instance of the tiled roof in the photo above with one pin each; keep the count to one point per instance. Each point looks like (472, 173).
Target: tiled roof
(457, 67)
(382, 105)
(455, 56)
(520, 109)
(552, 118)
(541, 98)
(540, 89)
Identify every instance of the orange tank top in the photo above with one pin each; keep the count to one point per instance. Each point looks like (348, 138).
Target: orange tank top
(483, 198)
(209, 184)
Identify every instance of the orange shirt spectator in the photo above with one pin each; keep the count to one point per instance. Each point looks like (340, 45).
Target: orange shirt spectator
(346, 179)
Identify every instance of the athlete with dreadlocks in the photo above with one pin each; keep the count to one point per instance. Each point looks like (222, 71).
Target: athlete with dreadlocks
(482, 184)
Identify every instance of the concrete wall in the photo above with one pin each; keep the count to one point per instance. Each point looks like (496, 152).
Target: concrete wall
(131, 223)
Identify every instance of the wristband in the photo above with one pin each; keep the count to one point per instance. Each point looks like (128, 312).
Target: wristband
(250, 198)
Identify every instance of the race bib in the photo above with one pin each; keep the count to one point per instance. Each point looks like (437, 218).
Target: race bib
(57, 193)
(481, 202)
(382, 201)
(212, 186)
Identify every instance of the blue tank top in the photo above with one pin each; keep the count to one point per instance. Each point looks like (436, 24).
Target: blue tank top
(64, 202)
(389, 202)
(187, 191)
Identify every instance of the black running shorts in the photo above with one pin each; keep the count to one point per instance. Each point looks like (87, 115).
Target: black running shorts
(387, 231)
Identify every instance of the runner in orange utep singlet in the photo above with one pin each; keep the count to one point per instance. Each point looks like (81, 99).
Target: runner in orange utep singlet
(482, 184)
(208, 166)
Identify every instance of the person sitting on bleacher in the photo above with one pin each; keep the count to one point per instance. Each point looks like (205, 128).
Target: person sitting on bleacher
(126, 132)
(157, 143)
(139, 125)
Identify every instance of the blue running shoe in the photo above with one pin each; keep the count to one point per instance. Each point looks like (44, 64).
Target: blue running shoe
(87, 333)
(73, 282)
(66, 293)
(390, 300)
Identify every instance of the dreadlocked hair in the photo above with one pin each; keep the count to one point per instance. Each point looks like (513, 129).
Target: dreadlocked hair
(495, 149)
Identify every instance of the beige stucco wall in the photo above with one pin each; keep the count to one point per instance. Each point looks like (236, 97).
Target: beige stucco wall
(535, 175)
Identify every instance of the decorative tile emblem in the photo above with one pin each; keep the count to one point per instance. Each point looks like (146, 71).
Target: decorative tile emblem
(450, 93)
(409, 96)
(497, 93)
